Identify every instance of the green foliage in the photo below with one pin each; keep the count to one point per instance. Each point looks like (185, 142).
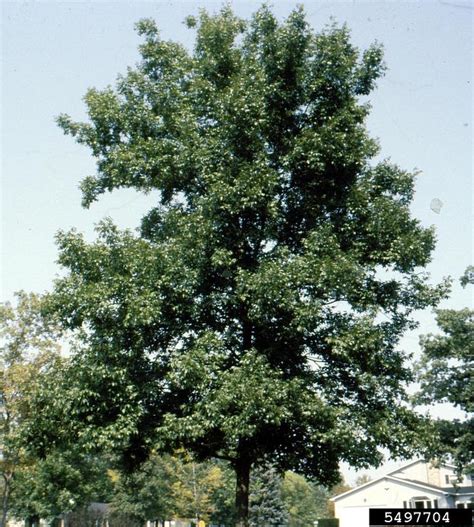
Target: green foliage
(145, 494)
(58, 484)
(448, 359)
(167, 487)
(337, 489)
(267, 508)
(258, 311)
(328, 522)
(224, 497)
(304, 501)
(59, 481)
(24, 330)
(28, 350)
(195, 489)
(446, 376)
(175, 487)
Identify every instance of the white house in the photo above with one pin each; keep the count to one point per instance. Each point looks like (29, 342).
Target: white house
(416, 485)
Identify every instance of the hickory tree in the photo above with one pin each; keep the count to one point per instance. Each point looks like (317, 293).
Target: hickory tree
(256, 313)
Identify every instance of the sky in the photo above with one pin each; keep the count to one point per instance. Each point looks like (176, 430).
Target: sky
(52, 52)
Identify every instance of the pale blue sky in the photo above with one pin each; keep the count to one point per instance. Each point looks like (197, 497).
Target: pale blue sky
(53, 51)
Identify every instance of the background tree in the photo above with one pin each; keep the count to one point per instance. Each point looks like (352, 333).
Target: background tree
(147, 493)
(194, 489)
(337, 489)
(258, 311)
(28, 349)
(267, 508)
(304, 501)
(446, 377)
(362, 480)
(174, 487)
(30, 361)
(224, 497)
(59, 484)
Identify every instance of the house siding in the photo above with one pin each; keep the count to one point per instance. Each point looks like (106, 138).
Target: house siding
(389, 493)
(397, 490)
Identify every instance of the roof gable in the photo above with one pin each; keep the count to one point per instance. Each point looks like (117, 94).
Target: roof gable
(416, 462)
(399, 481)
(392, 476)
(360, 487)
(418, 484)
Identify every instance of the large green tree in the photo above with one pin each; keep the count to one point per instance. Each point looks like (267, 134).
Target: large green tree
(445, 376)
(257, 312)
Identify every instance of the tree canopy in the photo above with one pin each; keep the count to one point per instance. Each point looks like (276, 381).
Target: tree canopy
(445, 376)
(257, 311)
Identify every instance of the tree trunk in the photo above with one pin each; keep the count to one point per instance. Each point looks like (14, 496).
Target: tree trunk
(242, 471)
(5, 497)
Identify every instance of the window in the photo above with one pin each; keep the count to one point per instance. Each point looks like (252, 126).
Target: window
(435, 504)
(420, 503)
(446, 478)
(405, 505)
(460, 506)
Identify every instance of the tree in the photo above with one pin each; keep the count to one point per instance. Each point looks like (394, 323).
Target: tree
(30, 361)
(224, 497)
(194, 489)
(339, 488)
(445, 375)
(59, 484)
(173, 487)
(362, 480)
(267, 508)
(28, 349)
(257, 313)
(304, 501)
(147, 493)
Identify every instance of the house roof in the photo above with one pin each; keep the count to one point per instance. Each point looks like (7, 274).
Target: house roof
(368, 484)
(403, 481)
(453, 491)
(462, 491)
(411, 463)
(422, 484)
